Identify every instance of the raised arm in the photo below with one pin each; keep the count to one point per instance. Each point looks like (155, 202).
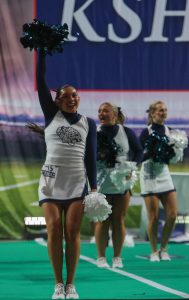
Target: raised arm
(46, 101)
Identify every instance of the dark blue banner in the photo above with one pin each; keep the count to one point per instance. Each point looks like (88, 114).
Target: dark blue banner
(120, 44)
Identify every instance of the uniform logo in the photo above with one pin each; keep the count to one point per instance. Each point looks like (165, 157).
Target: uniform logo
(68, 135)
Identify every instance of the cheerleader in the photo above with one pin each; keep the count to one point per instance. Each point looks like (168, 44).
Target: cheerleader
(155, 179)
(70, 164)
(117, 146)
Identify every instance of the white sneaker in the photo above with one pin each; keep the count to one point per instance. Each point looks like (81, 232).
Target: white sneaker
(154, 256)
(102, 263)
(59, 291)
(164, 255)
(71, 292)
(117, 262)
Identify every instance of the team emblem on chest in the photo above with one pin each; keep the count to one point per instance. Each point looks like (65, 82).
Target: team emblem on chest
(68, 135)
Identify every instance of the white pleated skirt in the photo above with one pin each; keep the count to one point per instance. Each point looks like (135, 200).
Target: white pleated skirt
(155, 178)
(60, 183)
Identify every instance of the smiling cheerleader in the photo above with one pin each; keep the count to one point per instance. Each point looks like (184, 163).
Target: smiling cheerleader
(118, 152)
(155, 179)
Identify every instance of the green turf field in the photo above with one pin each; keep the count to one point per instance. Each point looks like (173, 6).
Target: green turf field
(25, 273)
(18, 189)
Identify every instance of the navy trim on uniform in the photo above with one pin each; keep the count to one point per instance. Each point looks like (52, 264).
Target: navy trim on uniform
(159, 193)
(48, 106)
(111, 195)
(135, 148)
(91, 154)
(66, 201)
(63, 202)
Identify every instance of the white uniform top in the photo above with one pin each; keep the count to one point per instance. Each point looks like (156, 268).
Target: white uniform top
(105, 184)
(155, 177)
(122, 140)
(66, 143)
(63, 176)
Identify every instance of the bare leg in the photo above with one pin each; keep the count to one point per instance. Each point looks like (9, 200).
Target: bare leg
(170, 205)
(101, 236)
(53, 217)
(152, 206)
(120, 206)
(72, 224)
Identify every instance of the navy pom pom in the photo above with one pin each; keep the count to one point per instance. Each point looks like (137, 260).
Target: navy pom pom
(159, 148)
(42, 36)
(107, 149)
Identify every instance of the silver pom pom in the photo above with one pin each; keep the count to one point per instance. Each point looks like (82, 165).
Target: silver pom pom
(97, 208)
(124, 175)
(180, 141)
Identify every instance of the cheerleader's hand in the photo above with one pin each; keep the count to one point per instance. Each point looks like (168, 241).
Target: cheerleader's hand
(44, 37)
(35, 128)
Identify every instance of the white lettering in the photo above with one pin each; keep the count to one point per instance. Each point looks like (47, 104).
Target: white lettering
(34, 221)
(81, 19)
(130, 17)
(160, 13)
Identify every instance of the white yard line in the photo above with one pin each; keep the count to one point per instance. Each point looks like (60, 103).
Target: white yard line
(17, 185)
(127, 274)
